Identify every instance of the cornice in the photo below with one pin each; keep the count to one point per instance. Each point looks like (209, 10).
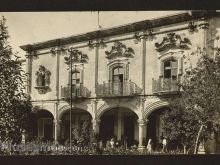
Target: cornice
(133, 27)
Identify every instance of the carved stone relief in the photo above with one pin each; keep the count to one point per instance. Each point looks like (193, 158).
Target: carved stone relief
(43, 80)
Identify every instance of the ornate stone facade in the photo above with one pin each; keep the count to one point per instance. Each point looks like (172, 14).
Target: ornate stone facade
(117, 73)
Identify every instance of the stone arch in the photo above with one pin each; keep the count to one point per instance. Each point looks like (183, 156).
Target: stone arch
(105, 107)
(36, 109)
(154, 106)
(66, 108)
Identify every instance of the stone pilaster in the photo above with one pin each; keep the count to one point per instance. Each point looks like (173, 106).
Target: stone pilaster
(143, 49)
(29, 72)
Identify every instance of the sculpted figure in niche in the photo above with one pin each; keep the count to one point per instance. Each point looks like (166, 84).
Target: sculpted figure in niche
(43, 76)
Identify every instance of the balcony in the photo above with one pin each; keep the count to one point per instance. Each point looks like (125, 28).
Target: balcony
(127, 88)
(77, 92)
(163, 85)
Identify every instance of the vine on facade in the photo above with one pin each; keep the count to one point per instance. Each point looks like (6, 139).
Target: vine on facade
(77, 57)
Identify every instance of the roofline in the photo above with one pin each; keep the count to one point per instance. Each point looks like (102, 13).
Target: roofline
(128, 28)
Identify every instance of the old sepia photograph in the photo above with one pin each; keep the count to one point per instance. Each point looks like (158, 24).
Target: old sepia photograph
(110, 83)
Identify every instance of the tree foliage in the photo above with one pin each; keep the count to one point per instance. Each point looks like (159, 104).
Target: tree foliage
(14, 103)
(196, 114)
(180, 126)
(84, 135)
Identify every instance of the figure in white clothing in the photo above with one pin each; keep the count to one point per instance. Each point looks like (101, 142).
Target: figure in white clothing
(149, 146)
(164, 142)
(112, 143)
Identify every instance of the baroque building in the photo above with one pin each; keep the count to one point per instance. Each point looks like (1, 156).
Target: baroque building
(122, 78)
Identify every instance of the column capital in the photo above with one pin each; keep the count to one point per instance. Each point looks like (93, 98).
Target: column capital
(96, 43)
(94, 101)
(96, 121)
(57, 121)
(142, 122)
(143, 99)
(204, 25)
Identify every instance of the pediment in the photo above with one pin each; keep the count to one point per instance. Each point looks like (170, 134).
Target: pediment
(173, 41)
(119, 50)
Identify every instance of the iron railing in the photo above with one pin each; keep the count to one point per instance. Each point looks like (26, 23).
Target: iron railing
(165, 85)
(80, 91)
(126, 88)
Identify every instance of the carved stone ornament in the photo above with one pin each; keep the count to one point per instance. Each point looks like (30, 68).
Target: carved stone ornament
(55, 50)
(173, 41)
(192, 27)
(43, 80)
(96, 43)
(119, 50)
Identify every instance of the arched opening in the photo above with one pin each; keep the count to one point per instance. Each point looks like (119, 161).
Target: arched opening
(154, 129)
(78, 117)
(42, 125)
(121, 124)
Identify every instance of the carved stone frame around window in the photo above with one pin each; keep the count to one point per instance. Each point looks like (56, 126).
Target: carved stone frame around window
(124, 63)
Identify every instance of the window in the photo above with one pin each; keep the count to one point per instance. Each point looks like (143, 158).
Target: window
(118, 74)
(117, 79)
(75, 78)
(170, 69)
(75, 81)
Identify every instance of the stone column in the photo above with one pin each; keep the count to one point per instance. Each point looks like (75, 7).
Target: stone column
(142, 135)
(119, 128)
(204, 25)
(95, 119)
(57, 124)
(95, 125)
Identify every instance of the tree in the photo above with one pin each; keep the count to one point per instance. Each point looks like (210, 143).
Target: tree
(180, 126)
(201, 99)
(202, 92)
(85, 135)
(14, 103)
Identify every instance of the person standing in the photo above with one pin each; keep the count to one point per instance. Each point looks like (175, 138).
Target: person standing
(149, 146)
(164, 142)
(112, 143)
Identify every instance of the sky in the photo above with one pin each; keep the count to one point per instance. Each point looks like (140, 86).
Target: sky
(32, 27)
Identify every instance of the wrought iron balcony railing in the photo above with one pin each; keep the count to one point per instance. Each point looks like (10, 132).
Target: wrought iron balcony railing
(163, 85)
(80, 91)
(126, 88)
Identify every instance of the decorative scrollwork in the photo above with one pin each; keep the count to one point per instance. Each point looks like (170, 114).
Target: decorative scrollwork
(147, 34)
(54, 50)
(173, 40)
(119, 50)
(96, 43)
(43, 80)
(192, 27)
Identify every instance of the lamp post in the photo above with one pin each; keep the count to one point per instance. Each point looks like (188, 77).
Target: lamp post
(71, 103)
